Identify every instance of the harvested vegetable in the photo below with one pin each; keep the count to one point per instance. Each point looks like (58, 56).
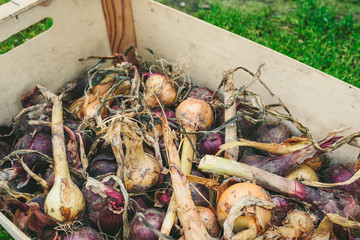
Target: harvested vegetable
(143, 144)
(64, 202)
(254, 219)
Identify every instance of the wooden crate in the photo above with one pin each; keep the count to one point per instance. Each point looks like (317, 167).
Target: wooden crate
(82, 28)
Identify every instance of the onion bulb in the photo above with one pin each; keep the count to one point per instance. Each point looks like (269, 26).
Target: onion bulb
(65, 201)
(208, 217)
(297, 225)
(254, 218)
(159, 89)
(195, 114)
(303, 172)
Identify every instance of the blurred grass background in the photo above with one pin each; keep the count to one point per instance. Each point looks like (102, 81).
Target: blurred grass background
(324, 34)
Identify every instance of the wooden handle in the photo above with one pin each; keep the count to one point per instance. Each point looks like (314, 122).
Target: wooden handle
(119, 24)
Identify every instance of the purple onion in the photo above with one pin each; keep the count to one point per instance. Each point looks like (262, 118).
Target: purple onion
(83, 233)
(40, 142)
(244, 125)
(254, 160)
(138, 230)
(339, 173)
(105, 209)
(102, 163)
(157, 112)
(111, 218)
(197, 198)
(140, 201)
(75, 89)
(202, 93)
(210, 144)
(280, 212)
(271, 133)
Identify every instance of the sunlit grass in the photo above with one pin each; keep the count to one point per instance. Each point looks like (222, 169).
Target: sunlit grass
(324, 36)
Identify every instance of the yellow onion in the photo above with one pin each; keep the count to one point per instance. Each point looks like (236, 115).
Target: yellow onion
(208, 217)
(159, 89)
(297, 225)
(303, 172)
(65, 200)
(255, 218)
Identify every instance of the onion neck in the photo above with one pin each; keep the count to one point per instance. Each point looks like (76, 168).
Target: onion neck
(58, 139)
(187, 153)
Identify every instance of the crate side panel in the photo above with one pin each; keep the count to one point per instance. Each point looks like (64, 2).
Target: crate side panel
(51, 58)
(321, 102)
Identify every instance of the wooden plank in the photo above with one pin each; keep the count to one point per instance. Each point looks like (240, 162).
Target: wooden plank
(321, 102)
(12, 229)
(119, 22)
(15, 7)
(51, 58)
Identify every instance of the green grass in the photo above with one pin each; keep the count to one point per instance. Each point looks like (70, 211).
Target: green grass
(4, 234)
(25, 35)
(324, 36)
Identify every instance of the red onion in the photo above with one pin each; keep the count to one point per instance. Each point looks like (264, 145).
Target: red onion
(138, 230)
(202, 93)
(40, 142)
(104, 206)
(284, 206)
(83, 233)
(246, 126)
(101, 164)
(158, 112)
(271, 133)
(339, 173)
(199, 193)
(210, 144)
(254, 160)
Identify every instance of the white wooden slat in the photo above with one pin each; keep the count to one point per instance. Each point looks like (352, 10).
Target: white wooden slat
(51, 58)
(15, 7)
(12, 229)
(321, 102)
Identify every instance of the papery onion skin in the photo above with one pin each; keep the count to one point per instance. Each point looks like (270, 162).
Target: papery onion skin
(83, 233)
(159, 89)
(154, 216)
(236, 192)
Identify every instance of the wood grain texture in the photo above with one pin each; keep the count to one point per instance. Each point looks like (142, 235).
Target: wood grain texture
(119, 23)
